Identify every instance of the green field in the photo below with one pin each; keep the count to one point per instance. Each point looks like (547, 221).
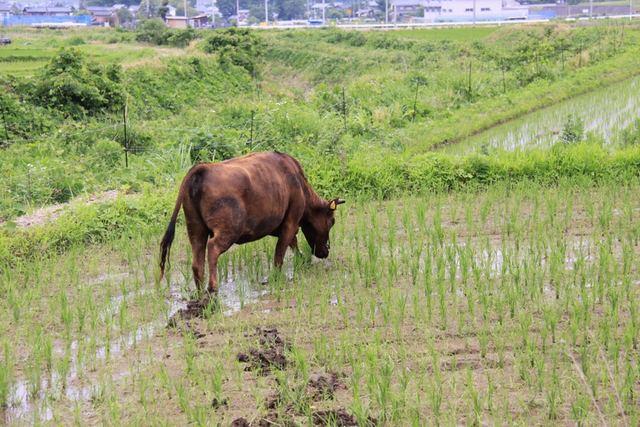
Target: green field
(465, 33)
(471, 280)
(36, 47)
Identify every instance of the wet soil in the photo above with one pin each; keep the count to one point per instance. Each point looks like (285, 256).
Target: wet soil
(195, 309)
(270, 354)
(324, 388)
(339, 418)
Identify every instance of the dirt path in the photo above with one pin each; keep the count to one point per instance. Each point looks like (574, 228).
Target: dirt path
(51, 213)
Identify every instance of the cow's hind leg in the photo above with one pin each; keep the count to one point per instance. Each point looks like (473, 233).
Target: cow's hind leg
(198, 248)
(216, 246)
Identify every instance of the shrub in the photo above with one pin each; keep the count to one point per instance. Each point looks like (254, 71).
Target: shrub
(237, 46)
(573, 130)
(75, 41)
(151, 31)
(631, 135)
(76, 87)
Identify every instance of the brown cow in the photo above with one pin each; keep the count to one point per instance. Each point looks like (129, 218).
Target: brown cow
(245, 199)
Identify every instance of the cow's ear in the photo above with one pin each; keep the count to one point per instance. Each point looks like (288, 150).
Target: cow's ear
(333, 204)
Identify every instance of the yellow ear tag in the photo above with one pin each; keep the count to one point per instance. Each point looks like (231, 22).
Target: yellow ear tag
(332, 206)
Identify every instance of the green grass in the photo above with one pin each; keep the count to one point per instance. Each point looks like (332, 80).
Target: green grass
(487, 289)
(464, 33)
(38, 47)
(515, 305)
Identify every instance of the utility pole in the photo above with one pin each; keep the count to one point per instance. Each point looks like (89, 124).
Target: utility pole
(237, 12)
(148, 14)
(474, 13)
(266, 12)
(386, 11)
(213, 12)
(322, 12)
(395, 14)
(590, 9)
(185, 10)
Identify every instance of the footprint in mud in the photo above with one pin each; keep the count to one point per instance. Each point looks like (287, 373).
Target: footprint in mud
(195, 310)
(271, 420)
(324, 388)
(339, 417)
(271, 355)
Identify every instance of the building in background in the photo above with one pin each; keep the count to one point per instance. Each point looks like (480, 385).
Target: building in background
(177, 22)
(100, 15)
(47, 11)
(5, 11)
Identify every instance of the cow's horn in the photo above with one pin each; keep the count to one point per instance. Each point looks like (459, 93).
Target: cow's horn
(341, 201)
(332, 206)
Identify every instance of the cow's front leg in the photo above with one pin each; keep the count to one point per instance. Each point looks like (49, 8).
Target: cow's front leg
(285, 239)
(294, 245)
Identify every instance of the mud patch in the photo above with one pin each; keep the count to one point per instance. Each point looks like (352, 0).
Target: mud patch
(240, 422)
(339, 417)
(271, 353)
(275, 419)
(215, 403)
(195, 309)
(324, 388)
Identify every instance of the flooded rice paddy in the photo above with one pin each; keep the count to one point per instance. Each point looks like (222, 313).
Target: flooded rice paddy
(484, 283)
(604, 113)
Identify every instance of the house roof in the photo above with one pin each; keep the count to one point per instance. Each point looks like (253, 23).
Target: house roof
(52, 9)
(5, 7)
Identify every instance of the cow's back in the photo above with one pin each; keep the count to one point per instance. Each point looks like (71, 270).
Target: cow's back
(254, 193)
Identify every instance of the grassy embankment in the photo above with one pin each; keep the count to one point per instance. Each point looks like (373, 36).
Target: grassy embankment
(403, 94)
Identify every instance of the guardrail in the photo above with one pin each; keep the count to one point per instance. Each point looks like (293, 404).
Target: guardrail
(409, 25)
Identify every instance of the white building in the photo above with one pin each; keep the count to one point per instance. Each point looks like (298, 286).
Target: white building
(461, 10)
(5, 11)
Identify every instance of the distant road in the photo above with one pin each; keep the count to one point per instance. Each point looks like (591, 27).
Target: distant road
(405, 25)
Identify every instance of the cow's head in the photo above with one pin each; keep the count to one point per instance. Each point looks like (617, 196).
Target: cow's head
(316, 224)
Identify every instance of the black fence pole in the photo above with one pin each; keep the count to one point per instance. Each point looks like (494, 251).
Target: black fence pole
(415, 101)
(126, 143)
(4, 119)
(344, 110)
(504, 82)
(470, 79)
(251, 140)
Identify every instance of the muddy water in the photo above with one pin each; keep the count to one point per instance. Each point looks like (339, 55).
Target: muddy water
(604, 112)
(27, 408)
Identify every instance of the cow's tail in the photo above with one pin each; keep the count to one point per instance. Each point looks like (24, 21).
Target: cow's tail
(167, 239)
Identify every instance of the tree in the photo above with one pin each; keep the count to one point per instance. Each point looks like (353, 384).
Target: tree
(226, 7)
(124, 15)
(336, 14)
(163, 10)
(290, 9)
